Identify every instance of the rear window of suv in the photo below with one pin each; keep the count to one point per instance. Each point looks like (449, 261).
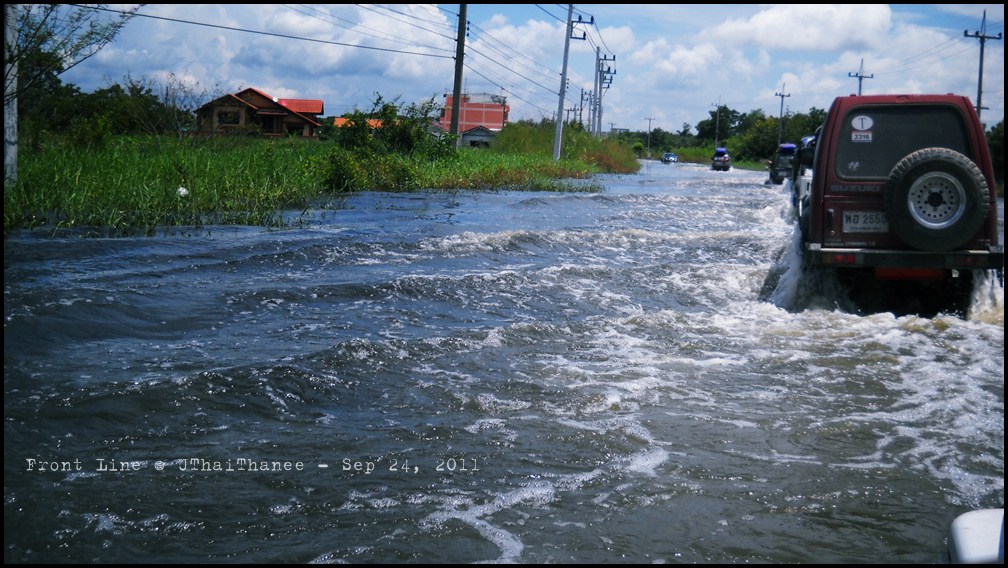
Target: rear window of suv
(873, 139)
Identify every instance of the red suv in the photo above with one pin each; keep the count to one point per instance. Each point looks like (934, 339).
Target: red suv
(901, 189)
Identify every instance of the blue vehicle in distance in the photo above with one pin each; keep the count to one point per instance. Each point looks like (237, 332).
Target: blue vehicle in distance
(720, 161)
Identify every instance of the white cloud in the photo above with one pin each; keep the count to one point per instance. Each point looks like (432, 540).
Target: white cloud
(817, 27)
(672, 62)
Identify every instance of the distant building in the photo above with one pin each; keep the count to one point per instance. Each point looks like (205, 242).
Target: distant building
(252, 108)
(476, 110)
(479, 137)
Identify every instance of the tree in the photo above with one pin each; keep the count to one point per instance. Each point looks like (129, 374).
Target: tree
(147, 106)
(758, 140)
(722, 125)
(69, 34)
(802, 124)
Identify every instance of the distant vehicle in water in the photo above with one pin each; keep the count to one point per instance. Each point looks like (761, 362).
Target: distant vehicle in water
(782, 164)
(721, 160)
(670, 158)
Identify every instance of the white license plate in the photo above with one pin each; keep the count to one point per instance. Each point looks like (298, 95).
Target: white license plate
(865, 222)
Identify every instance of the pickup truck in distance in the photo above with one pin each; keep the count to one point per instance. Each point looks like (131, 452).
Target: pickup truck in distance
(900, 201)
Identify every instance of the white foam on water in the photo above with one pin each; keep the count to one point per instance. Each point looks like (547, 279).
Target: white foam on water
(988, 298)
(647, 462)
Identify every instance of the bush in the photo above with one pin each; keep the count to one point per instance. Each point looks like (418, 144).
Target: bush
(91, 133)
(341, 171)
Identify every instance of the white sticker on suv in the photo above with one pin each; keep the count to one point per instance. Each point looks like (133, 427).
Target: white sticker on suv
(862, 122)
(862, 128)
(865, 222)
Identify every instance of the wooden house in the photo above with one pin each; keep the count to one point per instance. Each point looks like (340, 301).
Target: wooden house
(253, 109)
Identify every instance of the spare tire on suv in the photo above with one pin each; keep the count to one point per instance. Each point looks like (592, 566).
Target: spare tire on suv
(936, 199)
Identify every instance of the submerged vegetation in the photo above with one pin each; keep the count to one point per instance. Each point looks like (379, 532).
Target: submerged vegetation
(117, 185)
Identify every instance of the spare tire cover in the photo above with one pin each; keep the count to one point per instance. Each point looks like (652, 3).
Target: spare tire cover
(936, 199)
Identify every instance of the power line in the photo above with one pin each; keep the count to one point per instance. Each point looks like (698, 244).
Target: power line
(486, 35)
(407, 22)
(513, 60)
(272, 34)
(549, 90)
(510, 92)
(557, 18)
(410, 16)
(353, 26)
(477, 65)
(595, 25)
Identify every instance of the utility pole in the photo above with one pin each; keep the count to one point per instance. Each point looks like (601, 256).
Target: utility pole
(717, 121)
(595, 91)
(457, 90)
(563, 84)
(585, 96)
(780, 122)
(860, 75)
(649, 119)
(563, 78)
(983, 37)
(605, 81)
(602, 82)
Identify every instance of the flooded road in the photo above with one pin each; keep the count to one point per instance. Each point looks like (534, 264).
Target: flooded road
(487, 377)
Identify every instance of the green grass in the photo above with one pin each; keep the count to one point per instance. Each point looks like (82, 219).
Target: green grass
(131, 185)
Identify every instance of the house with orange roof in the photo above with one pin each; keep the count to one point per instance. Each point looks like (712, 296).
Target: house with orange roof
(373, 123)
(252, 109)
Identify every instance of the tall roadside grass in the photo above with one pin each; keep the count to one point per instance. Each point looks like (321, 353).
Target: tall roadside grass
(604, 154)
(520, 158)
(345, 171)
(136, 185)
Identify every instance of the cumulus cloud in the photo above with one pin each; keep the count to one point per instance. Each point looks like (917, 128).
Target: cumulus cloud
(817, 27)
(672, 62)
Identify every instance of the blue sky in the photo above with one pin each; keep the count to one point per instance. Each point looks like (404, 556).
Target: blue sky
(671, 64)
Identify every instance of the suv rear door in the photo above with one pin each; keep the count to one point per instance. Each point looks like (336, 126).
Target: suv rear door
(872, 136)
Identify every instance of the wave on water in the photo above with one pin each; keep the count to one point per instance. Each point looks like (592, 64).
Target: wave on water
(792, 286)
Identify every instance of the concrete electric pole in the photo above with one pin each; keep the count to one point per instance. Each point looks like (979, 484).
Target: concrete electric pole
(780, 121)
(457, 90)
(860, 76)
(983, 37)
